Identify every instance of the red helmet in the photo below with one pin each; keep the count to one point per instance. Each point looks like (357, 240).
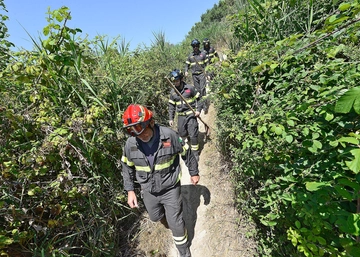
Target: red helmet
(136, 118)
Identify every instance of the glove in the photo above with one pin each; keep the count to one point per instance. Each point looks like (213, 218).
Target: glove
(171, 123)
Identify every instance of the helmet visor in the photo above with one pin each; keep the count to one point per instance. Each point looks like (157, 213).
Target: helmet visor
(136, 129)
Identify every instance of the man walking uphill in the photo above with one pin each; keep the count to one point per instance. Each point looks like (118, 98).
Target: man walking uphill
(210, 51)
(188, 125)
(196, 61)
(151, 156)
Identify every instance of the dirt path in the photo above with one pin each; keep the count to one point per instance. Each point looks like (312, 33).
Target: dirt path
(214, 227)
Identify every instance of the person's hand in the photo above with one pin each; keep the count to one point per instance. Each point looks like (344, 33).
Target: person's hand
(132, 199)
(197, 114)
(195, 179)
(186, 73)
(171, 123)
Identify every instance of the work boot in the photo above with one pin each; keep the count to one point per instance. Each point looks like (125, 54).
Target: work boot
(185, 253)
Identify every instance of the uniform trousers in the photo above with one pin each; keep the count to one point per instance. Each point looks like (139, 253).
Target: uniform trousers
(168, 204)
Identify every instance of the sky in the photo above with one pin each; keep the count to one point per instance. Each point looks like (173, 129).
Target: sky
(136, 21)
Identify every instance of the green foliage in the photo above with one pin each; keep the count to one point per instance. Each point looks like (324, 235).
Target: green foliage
(60, 149)
(213, 25)
(287, 103)
(61, 142)
(261, 20)
(348, 100)
(293, 135)
(4, 44)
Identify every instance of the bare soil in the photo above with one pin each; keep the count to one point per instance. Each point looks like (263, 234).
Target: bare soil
(214, 226)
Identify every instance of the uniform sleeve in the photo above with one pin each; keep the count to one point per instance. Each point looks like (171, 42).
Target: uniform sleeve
(205, 59)
(172, 107)
(189, 158)
(200, 101)
(128, 170)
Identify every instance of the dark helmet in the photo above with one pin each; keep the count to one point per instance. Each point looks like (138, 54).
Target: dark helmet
(206, 41)
(195, 42)
(176, 74)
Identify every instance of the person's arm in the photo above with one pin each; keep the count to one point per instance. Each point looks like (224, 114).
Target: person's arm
(215, 53)
(205, 59)
(128, 173)
(190, 162)
(199, 102)
(172, 109)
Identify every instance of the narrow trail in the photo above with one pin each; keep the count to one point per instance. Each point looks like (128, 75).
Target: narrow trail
(214, 226)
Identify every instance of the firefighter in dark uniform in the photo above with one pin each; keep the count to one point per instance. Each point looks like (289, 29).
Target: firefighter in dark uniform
(210, 54)
(151, 157)
(188, 125)
(196, 62)
(210, 51)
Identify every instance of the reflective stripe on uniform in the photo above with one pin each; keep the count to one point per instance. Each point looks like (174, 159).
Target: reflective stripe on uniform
(180, 240)
(143, 168)
(166, 164)
(195, 63)
(185, 113)
(189, 100)
(185, 148)
(195, 147)
(157, 166)
(127, 161)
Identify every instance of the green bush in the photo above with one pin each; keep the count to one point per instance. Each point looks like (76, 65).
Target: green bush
(292, 137)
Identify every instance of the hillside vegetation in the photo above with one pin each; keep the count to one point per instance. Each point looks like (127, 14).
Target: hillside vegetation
(287, 104)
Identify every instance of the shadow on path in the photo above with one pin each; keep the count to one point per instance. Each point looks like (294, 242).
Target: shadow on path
(191, 201)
